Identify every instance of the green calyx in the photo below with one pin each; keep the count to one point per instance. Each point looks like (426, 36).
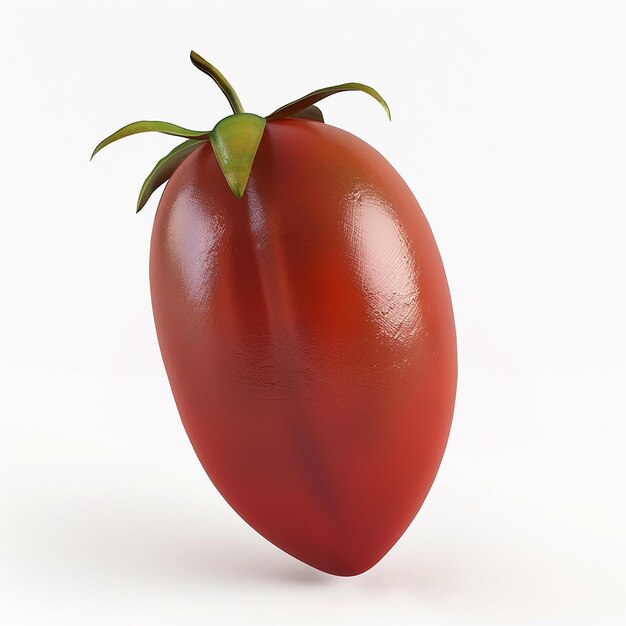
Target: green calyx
(234, 140)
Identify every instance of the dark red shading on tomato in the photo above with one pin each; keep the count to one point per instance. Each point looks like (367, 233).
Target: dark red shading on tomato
(308, 336)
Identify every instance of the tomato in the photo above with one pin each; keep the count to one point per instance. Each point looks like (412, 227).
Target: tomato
(307, 332)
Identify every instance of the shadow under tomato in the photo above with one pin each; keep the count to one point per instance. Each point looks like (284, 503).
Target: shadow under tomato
(135, 536)
(203, 560)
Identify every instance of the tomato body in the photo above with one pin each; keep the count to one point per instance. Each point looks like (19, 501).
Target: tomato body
(308, 336)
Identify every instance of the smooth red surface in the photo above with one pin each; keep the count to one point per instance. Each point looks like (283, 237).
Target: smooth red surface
(308, 336)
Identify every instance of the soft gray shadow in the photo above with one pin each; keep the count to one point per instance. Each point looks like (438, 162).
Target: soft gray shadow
(141, 537)
(138, 536)
(228, 558)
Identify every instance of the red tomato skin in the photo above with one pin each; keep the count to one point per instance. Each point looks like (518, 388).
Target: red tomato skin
(308, 336)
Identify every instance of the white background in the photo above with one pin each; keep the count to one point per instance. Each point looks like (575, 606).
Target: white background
(509, 123)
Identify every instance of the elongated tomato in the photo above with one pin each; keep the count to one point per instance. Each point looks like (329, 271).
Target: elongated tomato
(308, 336)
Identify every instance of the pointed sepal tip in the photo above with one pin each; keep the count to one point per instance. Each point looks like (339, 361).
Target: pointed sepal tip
(235, 141)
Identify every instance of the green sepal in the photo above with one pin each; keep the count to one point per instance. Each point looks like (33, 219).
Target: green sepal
(235, 140)
(289, 110)
(310, 113)
(164, 169)
(148, 126)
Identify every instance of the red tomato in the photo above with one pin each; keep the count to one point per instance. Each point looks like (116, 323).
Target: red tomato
(308, 336)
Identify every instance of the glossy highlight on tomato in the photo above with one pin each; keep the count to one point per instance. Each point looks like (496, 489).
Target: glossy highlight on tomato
(307, 332)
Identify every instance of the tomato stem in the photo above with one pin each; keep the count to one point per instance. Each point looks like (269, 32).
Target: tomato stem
(227, 89)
